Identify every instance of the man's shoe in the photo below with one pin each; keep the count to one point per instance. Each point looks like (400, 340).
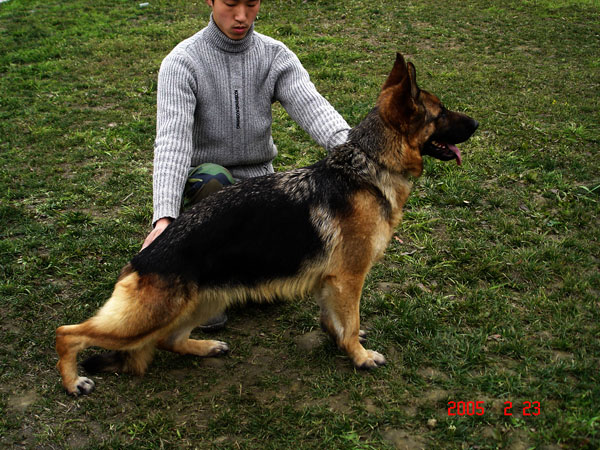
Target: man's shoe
(216, 323)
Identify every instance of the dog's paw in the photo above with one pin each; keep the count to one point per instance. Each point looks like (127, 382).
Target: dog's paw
(372, 361)
(218, 348)
(82, 386)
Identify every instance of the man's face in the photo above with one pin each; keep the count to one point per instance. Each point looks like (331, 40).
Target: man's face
(234, 17)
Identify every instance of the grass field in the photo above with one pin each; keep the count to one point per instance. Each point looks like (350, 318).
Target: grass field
(490, 291)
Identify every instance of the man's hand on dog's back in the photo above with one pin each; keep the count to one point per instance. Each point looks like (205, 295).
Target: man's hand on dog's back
(159, 227)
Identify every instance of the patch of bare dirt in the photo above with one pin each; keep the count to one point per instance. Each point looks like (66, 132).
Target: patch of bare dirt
(21, 401)
(431, 374)
(404, 440)
(311, 340)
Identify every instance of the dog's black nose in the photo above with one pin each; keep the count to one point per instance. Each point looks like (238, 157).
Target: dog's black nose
(475, 125)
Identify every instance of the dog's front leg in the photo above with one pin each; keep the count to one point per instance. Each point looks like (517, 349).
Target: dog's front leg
(339, 300)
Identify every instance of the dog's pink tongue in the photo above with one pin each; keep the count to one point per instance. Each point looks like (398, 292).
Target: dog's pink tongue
(456, 151)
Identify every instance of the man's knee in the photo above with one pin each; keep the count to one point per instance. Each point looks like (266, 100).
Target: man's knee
(204, 180)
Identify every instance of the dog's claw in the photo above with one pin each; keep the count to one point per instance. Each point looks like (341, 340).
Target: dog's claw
(83, 386)
(362, 336)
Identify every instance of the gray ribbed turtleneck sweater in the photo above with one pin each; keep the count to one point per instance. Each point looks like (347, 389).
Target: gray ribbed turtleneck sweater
(214, 105)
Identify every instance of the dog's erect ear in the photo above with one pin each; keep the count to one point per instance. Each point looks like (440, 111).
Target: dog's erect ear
(412, 75)
(403, 72)
(398, 73)
(397, 102)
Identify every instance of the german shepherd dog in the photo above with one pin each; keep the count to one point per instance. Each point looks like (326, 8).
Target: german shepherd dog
(316, 229)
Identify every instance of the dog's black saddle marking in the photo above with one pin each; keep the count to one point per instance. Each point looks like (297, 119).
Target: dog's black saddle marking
(254, 231)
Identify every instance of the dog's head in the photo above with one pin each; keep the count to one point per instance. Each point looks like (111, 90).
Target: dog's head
(425, 126)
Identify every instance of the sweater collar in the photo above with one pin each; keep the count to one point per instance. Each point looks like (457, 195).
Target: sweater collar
(216, 37)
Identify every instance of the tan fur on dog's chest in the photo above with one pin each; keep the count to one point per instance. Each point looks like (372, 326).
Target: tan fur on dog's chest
(365, 234)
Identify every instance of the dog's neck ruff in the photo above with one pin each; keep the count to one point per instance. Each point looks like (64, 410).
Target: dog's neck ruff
(217, 38)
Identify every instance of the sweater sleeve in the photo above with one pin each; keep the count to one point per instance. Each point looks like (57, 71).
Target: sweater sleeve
(309, 109)
(176, 103)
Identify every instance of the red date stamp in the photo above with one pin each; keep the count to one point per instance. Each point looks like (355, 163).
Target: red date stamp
(527, 408)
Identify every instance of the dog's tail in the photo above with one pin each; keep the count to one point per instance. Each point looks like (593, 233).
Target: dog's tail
(130, 361)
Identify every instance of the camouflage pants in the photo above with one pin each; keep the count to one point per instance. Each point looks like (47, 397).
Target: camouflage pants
(203, 181)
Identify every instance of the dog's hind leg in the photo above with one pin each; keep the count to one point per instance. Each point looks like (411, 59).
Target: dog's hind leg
(69, 342)
(130, 322)
(177, 339)
(127, 361)
(179, 342)
(339, 299)
(131, 356)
